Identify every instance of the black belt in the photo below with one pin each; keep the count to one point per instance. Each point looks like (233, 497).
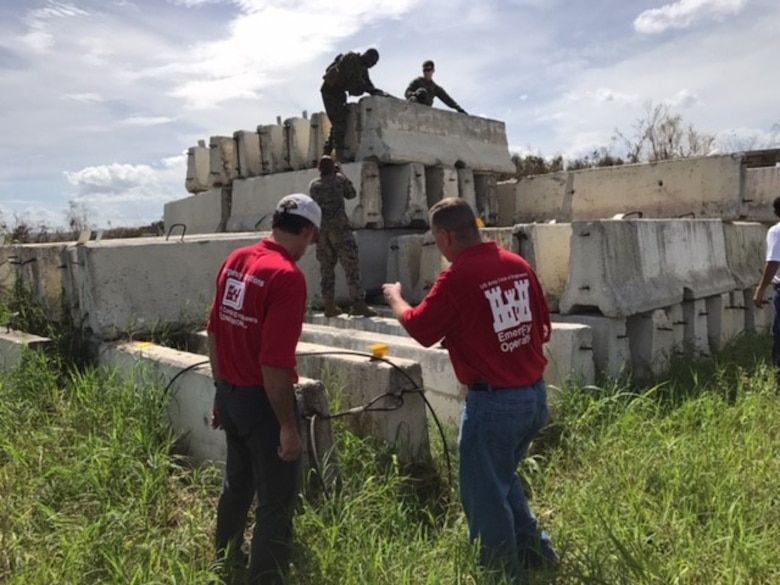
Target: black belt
(488, 387)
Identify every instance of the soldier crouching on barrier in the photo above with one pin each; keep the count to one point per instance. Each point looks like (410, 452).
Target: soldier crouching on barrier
(336, 241)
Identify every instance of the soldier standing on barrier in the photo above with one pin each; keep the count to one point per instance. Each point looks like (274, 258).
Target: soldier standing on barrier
(348, 74)
(337, 242)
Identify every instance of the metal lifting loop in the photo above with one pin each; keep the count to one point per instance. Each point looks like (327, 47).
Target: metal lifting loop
(183, 231)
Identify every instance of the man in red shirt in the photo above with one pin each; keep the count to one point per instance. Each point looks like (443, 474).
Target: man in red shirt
(490, 310)
(255, 322)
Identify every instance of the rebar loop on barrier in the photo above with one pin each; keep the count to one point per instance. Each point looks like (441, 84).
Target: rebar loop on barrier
(261, 220)
(628, 214)
(183, 231)
(691, 214)
(16, 262)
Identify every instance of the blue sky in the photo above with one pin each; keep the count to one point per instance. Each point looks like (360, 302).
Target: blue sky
(100, 99)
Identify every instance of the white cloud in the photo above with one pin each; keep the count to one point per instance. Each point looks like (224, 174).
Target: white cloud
(604, 95)
(146, 121)
(39, 38)
(683, 99)
(84, 98)
(685, 13)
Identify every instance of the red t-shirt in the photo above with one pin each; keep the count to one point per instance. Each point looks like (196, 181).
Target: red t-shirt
(257, 313)
(490, 309)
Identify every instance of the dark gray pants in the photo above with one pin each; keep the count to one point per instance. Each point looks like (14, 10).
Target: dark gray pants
(253, 467)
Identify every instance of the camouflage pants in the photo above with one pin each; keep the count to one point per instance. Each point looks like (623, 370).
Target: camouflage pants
(339, 245)
(335, 102)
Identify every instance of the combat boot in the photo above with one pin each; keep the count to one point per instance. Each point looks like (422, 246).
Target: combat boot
(332, 309)
(361, 309)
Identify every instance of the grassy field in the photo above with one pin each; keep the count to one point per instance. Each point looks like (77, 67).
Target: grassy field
(674, 483)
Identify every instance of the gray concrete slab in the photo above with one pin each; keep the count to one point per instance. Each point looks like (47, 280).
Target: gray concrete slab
(297, 133)
(250, 162)
(271, 147)
(652, 343)
(745, 251)
(610, 343)
(202, 213)
(404, 201)
(547, 248)
(223, 160)
(13, 345)
(396, 131)
(198, 169)
(628, 267)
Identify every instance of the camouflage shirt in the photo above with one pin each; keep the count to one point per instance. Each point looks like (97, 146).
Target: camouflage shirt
(329, 192)
(433, 89)
(348, 73)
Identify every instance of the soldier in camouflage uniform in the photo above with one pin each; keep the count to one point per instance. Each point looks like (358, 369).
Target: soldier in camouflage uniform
(424, 89)
(348, 74)
(337, 242)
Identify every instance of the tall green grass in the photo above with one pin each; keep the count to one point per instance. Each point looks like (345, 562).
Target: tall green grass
(674, 482)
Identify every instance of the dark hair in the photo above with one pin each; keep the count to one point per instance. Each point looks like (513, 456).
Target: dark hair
(326, 165)
(290, 223)
(428, 64)
(372, 56)
(455, 215)
(776, 205)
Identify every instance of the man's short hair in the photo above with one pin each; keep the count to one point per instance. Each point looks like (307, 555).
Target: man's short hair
(776, 205)
(428, 64)
(326, 165)
(454, 215)
(370, 57)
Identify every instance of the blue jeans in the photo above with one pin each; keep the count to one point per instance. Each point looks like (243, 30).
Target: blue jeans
(496, 430)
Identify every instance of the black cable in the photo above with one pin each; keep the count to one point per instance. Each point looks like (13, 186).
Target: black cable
(414, 389)
(180, 372)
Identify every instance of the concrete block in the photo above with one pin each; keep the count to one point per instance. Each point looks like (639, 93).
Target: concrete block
(353, 135)
(250, 162)
(707, 187)
(253, 200)
(204, 213)
(758, 320)
(192, 398)
(762, 185)
(404, 201)
(297, 133)
(198, 169)
(627, 267)
(272, 148)
(676, 317)
(319, 128)
(39, 270)
(466, 188)
(547, 248)
(611, 352)
(486, 194)
(733, 318)
(652, 342)
(570, 355)
(404, 264)
(442, 388)
(745, 251)
(507, 200)
(363, 380)
(696, 341)
(432, 263)
(396, 131)
(14, 344)
(223, 158)
(440, 182)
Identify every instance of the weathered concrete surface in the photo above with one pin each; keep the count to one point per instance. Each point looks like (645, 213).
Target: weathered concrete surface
(39, 269)
(198, 169)
(140, 284)
(745, 251)
(203, 213)
(297, 133)
(192, 398)
(762, 185)
(271, 147)
(733, 319)
(13, 345)
(319, 128)
(362, 380)
(223, 160)
(250, 162)
(254, 200)
(706, 187)
(466, 188)
(758, 319)
(404, 201)
(696, 341)
(486, 193)
(442, 388)
(396, 131)
(547, 248)
(609, 340)
(652, 342)
(440, 182)
(627, 267)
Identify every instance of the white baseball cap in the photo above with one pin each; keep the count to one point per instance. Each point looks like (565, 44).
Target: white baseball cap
(300, 204)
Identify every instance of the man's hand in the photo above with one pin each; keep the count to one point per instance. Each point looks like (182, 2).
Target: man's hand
(289, 444)
(758, 298)
(391, 292)
(216, 424)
